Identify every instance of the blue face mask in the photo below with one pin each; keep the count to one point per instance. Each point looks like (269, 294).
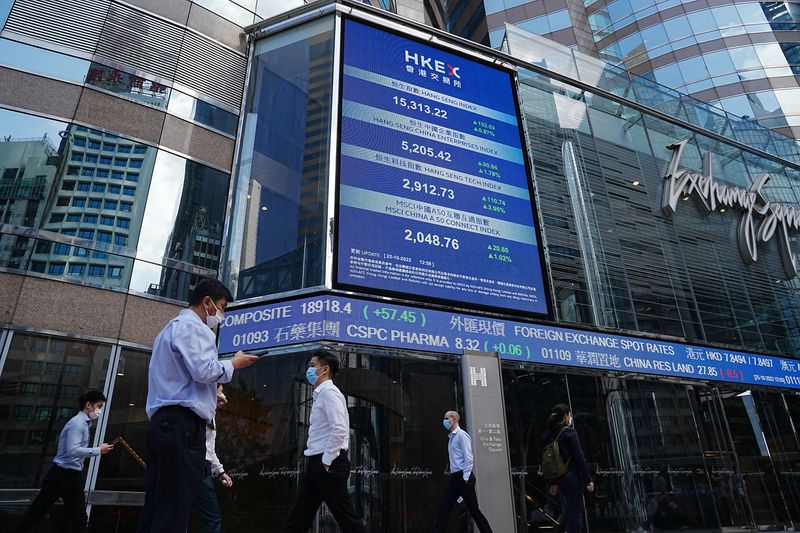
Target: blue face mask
(446, 424)
(311, 375)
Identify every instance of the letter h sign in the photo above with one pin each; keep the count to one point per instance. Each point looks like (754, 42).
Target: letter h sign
(477, 375)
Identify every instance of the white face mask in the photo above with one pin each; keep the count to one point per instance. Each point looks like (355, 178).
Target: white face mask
(214, 320)
(94, 415)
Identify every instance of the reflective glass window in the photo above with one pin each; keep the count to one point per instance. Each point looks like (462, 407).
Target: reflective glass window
(125, 207)
(129, 191)
(669, 75)
(230, 11)
(120, 240)
(789, 99)
(719, 63)
(136, 163)
(277, 188)
(745, 58)
(132, 177)
(127, 418)
(493, 6)
(771, 55)
(77, 269)
(693, 69)
(559, 20)
(79, 202)
(737, 105)
(105, 160)
(102, 173)
(117, 175)
(539, 25)
(619, 9)
(128, 86)
(124, 148)
(726, 16)
(270, 8)
(56, 218)
(73, 217)
(202, 112)
(702, 22)
(95, 203)
(51, 64)
(677, 27)
(105, 236)
(56, 269)
(751, 12)
(98, 187)
(83, 186)
(114, 189)
(654, 36)
(109, 204)
(90, 219)
(60, 249)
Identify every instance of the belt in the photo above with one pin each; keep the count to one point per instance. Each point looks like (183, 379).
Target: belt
(178, 409)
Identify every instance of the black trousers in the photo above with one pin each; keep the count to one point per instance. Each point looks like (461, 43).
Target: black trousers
(571, 488)
(176, 442)
(57, 483)
(456, 487)
(319, 486)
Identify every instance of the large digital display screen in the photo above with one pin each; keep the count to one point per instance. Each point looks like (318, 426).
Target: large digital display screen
(434, 196)
(338, 319)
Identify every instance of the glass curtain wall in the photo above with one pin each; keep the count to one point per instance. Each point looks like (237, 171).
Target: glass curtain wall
(664, 456)
(89, 206)
(679, 275)
(278, 240)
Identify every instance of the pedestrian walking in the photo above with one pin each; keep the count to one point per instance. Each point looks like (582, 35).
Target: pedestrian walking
(64, 479)
(575, 469)
(327, 465)
(181, 401)
(461, 483)
(206, 502)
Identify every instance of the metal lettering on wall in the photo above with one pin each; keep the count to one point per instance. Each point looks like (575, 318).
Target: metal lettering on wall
(334, 318)
(760, 220)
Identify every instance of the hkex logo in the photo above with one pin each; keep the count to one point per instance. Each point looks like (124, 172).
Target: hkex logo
(432, 64)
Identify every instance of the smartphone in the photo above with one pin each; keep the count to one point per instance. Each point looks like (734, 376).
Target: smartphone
(258, 353)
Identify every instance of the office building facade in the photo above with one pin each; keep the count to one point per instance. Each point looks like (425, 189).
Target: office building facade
(673, 333)
(739, 56)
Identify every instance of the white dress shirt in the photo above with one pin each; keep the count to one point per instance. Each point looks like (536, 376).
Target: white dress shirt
(459, 448)
(185, 367)
(211, 449)
(330, 424)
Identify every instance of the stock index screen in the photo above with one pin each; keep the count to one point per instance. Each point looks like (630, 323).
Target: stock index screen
(434, 196)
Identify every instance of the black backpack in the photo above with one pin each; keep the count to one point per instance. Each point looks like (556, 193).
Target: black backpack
(553, 465)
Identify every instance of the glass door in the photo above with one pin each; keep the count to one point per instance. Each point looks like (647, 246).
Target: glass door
(747, 420)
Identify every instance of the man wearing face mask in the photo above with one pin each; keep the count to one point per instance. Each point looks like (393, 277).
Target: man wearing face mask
(327, 465)
(181, 400)
(462, 481)
(64, 479)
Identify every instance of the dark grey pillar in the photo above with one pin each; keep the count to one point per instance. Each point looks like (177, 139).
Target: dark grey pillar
(485, 420)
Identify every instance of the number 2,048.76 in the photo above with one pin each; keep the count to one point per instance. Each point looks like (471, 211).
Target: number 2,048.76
(421, 237)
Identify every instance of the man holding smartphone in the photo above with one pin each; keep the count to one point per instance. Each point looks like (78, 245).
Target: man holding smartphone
(181, 401)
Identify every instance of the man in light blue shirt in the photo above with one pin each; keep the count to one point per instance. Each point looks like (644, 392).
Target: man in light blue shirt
(462, 481)
(64, 479)
(181, 400)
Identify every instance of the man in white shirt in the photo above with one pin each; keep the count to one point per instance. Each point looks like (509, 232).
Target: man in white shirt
(206, 502)
(462, 480)
(327, 466)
